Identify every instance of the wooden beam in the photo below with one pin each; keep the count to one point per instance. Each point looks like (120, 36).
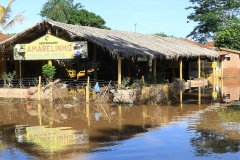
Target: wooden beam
(95, 60)
(155, 66)
(199, 67)
(119, 72)
(180, 67)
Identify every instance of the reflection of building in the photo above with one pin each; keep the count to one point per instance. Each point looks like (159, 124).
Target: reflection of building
(230, 89)
(83, 129)
(51, 139)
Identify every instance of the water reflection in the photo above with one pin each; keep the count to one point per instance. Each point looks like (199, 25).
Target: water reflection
(73, 130)
(230, 89)
(217, 131)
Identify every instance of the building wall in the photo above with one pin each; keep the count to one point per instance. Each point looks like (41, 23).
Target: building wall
(231, 65)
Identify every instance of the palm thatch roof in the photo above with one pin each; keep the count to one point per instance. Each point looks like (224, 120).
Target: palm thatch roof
(118, 43)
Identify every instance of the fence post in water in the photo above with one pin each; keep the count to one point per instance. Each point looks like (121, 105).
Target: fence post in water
(181, 92)
(165, 87)
(88, 113)
(40, 114)
(39, 88)
(94, 95)
(87, 90)
(51, 91)
(143, 89)
(199, 94)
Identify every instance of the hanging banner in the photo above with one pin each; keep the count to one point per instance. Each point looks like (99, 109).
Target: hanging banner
(50, 47)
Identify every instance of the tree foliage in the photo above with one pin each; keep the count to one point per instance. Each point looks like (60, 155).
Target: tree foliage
(229, 36)
(57, 10)
(67, 12)
(211, 15)
(5, 15)
(48, 72)
(11, 34)
(162, 34)
(86, 18)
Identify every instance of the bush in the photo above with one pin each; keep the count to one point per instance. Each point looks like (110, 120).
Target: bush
(48, 72)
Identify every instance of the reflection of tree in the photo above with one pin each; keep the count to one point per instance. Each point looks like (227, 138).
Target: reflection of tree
(229, 115)
(208, 142)
(217, 132)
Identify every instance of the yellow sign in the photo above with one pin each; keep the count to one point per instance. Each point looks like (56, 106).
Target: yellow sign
(214, 64)
(49, 47)
(214, 94)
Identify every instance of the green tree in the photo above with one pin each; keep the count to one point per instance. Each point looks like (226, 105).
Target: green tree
(86, 18)
(11, 34)
(58, 10)
(68, 12)
(162, 34)
(5, 15)
(229, 36)
(211, 15)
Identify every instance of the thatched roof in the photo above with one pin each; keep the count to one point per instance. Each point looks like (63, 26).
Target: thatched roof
(118, 43)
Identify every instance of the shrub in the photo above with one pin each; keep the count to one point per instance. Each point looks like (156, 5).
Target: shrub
(48, 72)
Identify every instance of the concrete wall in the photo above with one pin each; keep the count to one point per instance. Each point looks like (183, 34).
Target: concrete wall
(23, 92)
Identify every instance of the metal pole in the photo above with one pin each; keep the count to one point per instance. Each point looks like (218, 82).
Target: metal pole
(135, 26)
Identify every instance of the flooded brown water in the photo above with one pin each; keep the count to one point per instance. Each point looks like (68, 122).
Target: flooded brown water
(32, 130)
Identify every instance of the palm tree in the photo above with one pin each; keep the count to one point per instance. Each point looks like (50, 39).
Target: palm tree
(58, 10)
(5, 14)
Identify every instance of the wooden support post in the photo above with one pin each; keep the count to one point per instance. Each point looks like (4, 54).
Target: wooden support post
(16, 66)
(214, 69)
(20, 73)
(199, 95)
(143, 80)
(39, 88)
(180, 64)
(155, 66)
(119, 72)
(144, 94)
(88, 113)
(95, 61)
(40, 114)
(50, 62)
(199, 67)
(180, 99)
(87, 90)
(172, 71)
(166, 92)
(222, 68)
(51, 91)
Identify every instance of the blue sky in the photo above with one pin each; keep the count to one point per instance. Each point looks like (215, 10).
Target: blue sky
(151, 16)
